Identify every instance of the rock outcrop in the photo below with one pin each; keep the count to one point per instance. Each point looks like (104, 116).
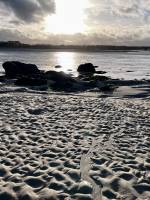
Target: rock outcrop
(86, 68)
(14, 69)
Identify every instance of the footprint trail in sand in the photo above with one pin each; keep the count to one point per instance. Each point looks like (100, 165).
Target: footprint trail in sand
(64, 147)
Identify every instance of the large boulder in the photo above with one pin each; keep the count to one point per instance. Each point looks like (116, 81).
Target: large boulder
(14, 69)
(58, 76)
(100, 78)
(27, 81)
(86, 68)
(59, 80)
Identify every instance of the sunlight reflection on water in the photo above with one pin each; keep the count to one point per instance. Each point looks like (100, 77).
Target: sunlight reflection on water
(66, 60)
(127, 65)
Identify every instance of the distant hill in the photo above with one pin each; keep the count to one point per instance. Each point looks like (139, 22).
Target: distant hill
(95, 48)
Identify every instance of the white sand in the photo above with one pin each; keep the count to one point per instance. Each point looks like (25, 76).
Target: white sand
(74, 147)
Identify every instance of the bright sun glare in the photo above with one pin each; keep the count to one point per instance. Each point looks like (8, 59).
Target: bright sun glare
(69, 17)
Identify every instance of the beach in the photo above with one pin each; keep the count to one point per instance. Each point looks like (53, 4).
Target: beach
(74, 100)
(69, 146)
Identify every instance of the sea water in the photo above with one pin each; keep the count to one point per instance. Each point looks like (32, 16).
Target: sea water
(122, 65)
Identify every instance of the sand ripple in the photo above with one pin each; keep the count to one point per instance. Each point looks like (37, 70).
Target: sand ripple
(74, 147)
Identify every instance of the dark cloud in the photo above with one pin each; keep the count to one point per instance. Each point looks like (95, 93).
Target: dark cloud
(30, 10)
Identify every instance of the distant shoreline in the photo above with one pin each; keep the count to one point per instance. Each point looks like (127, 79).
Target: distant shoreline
(67, 50)
(15, 45)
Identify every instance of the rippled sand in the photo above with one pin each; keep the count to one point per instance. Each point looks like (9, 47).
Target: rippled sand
(65, 147)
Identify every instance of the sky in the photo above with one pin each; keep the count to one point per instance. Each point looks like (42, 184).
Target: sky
(76, 22)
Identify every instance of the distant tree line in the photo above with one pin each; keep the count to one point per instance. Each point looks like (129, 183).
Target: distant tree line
(96, 48)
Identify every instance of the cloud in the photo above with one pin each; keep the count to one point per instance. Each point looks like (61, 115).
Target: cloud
(118, 21)
(114, 10)
(29, 10)
(127, 8)
(12, 35)
(120, 35)
(107, 36)
(115, 22)
(136, 8)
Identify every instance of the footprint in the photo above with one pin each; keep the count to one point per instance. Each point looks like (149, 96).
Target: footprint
(37, 111)
(34, 182)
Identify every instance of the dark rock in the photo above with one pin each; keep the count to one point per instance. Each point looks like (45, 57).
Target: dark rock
(85, 77)
(59, 80)
(107, 88)
(58, 76)
(29, 75)
(27, 81)
(91, 82)
(58, 66)
(93, 78)
(100, 72)
(13, 69)
(86, 68)
(2, 78)
(100, 78)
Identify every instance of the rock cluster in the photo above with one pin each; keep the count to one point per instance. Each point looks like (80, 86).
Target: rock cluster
(29, 75)
(15, 69)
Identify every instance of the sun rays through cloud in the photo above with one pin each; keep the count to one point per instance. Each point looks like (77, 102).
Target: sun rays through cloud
(82, 22)
(69, 17)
